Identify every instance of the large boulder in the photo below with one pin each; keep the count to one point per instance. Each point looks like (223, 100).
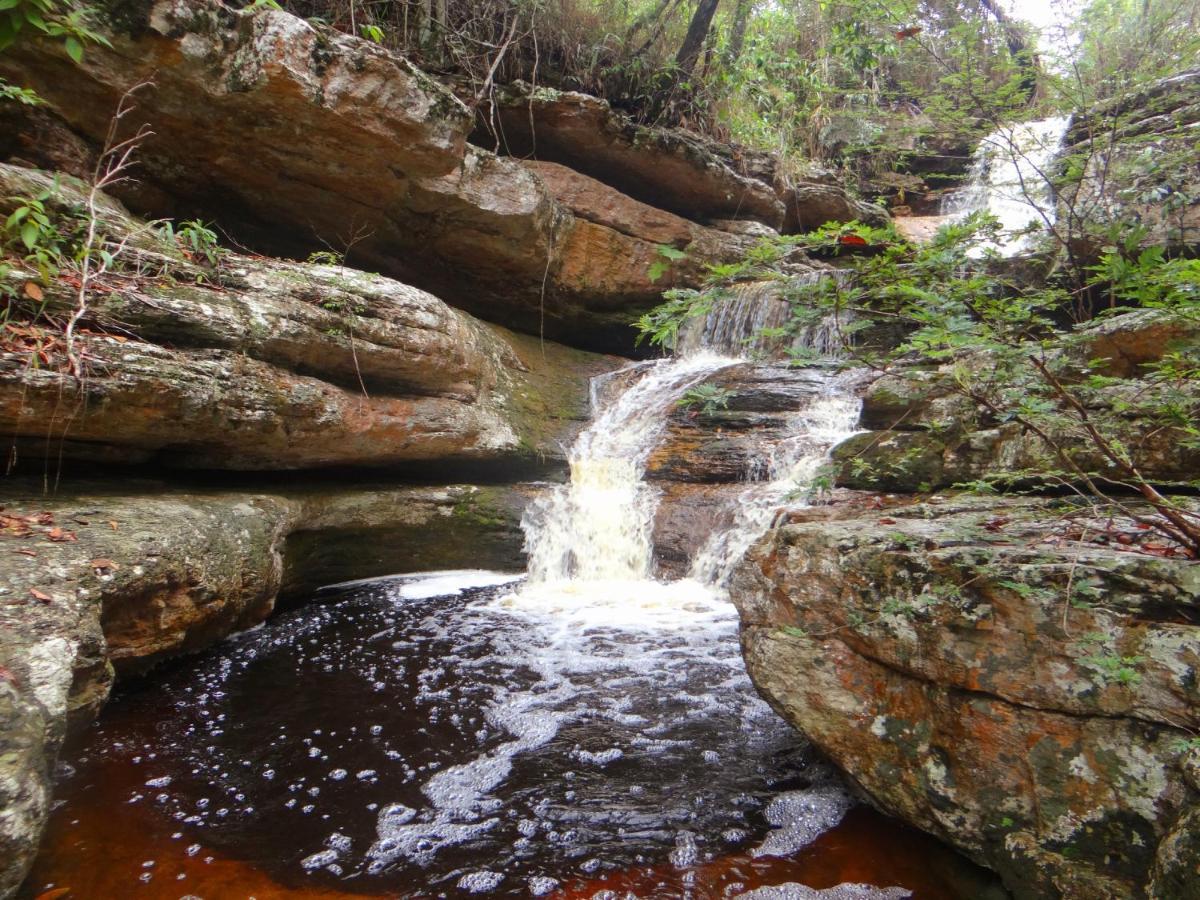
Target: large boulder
(261, 364)
(98, 583)
(994, 673)
(295, 138)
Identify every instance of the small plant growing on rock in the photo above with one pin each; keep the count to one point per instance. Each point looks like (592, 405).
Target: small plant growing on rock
(196, 238)
(705, 399)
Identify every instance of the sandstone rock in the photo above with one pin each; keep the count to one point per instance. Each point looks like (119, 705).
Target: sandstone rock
(667, 168)
(687, 514)
(137, 576)
(272, 365)
(298, 138)
(925, 434)
(1020, 696)
(811, 204)
(731, 444)
(600, 204)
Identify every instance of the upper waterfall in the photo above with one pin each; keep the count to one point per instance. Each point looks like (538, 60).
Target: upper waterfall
(1010, 178)
(753, 320)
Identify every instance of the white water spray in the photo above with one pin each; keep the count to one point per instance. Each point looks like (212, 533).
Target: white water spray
(1010, 178)
(593, 536)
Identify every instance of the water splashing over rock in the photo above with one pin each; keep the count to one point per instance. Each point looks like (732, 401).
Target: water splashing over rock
(1010, 178)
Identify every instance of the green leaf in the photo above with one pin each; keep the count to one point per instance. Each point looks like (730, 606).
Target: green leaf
(29, 235)
(74, 48)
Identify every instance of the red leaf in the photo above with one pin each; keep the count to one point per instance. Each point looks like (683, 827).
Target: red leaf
(853, 240)
(887, 521)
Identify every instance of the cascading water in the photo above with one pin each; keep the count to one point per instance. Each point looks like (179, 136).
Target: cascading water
(597, 526)
(791, 472)
(755, 320)
(1010, 178)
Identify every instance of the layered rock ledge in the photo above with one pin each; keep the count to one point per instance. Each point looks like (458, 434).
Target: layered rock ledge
(298, 138)
(266, 365)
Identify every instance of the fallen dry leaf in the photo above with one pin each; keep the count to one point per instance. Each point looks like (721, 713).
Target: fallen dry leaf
(112, 524)
(59, 536)
(34, 292)
(38, 595)
(104, 563)
(32, 553)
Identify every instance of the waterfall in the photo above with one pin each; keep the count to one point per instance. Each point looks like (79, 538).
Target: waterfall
(1010, 178)
(593, 534)
(792, 471)
(753, 320)
(597, 527)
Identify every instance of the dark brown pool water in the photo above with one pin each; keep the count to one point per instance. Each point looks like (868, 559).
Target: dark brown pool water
(411, 738)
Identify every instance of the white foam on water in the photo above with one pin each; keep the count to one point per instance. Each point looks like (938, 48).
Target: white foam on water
(597, 526)
(848, 891)
(800, 817)
(446, 583)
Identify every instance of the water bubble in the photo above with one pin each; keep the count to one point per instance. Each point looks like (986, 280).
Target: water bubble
(319, 860)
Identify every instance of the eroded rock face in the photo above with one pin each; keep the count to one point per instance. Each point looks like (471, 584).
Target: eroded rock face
(270, 365)
(666, 168)
(810, 204)
(98, 582)
(297, 138)
(733, 443)
(984, 675)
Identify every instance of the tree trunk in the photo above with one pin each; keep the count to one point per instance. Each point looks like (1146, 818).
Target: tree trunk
(693, 42)
(737, 35)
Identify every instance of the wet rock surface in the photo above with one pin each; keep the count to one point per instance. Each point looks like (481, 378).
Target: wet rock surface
(103, 581)
(734, 441)
(986, 674)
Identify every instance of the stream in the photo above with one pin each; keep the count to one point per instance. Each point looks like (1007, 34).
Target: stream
(579, 730)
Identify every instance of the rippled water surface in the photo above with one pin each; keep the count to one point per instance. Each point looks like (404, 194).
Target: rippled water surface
(414, 737)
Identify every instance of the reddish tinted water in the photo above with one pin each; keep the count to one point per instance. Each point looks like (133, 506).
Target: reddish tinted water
(397, 747)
